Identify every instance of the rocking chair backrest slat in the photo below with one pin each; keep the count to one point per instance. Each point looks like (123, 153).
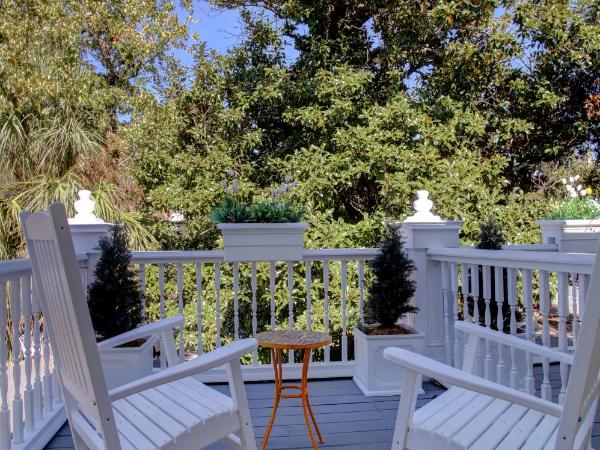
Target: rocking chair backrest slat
(66, 313)
(583, 379)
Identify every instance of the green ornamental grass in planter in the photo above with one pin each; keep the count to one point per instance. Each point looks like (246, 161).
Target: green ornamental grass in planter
(574, 222)
(388, 300)
(115, 304)
(266, 229)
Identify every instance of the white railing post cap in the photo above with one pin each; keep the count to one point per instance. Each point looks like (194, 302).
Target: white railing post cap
(86, 228)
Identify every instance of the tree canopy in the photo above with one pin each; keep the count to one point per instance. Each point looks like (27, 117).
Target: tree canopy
(484, 103)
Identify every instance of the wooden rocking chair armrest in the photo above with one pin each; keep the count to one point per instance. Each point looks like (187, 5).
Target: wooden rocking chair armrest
(456, 377)
(513, 341)
(150, 329)
(227, 354)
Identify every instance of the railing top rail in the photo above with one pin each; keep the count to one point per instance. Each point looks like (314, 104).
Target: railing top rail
(15, 268)
(519, 259)
(177, 256)
(216, 256)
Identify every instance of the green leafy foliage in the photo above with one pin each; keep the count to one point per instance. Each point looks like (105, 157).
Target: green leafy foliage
(392, 288)
(490, 236)
(114, 298)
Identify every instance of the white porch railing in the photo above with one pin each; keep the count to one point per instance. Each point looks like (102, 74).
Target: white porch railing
(536, 295)
(30, 399)
(540, 297)
(324, 291)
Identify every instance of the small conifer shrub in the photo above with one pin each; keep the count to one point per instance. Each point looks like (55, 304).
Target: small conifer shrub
(114, 298)
(490, 236)
(392, 287)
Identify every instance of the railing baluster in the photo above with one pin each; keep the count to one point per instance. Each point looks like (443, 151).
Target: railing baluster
(272, 284)
(454, 288)
(475, 291)
(361, 290)
(546, 387)
(218, 304)
(344, 286)
(308, 280)
(512, 302)
(38, 403)
(254, 312)
(499, 299)
(488, 363)
(4, 412)
(236, 306)
(464, 287)
(326, 305)
(17, 403)
(584, 282)
(199, 318)
(143, 288)
(180, 307)
(445, 306)
(480, 369)
(27, 357)
(574, 300)
(47, 379)
(161, 290)
(563, 311)
(527, 279)
(290, 289)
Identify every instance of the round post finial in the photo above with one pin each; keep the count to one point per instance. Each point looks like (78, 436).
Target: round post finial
(85, 207)
(422, 206)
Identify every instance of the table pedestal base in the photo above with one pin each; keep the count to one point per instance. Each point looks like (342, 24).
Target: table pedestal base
(276, 356)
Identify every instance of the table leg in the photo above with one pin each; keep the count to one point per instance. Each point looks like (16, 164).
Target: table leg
(306, 403)
(278, 369)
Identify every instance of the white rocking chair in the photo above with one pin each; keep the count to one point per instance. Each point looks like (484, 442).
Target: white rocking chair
(170, 409)
(479, 414)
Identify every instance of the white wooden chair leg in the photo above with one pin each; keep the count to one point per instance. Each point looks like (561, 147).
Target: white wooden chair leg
(406, 408)
(168, 344)
(238, 395)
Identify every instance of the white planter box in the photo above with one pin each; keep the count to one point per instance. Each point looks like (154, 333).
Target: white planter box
(263, 241)
(125, 364)
(577, 236)
(374, 375)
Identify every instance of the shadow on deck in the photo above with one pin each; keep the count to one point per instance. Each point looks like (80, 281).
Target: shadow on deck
(347, 418)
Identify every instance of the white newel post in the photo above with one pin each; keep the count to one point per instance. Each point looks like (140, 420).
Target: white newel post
(86, 231)
(421, 231)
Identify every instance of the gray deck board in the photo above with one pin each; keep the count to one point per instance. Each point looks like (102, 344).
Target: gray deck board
(347, 419)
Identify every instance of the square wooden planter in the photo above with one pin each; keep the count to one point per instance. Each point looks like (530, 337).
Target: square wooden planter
(125, 364)
(263, 241)
(576, 236)
(374, 375)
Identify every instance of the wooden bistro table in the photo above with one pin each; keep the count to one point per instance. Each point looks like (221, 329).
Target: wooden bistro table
(278, 341)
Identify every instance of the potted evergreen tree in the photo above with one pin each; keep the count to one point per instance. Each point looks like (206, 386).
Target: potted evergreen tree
(115, 304)
(388, 300)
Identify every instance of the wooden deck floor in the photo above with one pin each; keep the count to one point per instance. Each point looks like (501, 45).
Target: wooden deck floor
(348, 420)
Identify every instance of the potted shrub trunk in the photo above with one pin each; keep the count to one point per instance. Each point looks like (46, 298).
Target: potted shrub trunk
(389, 297)
(264, 230)
(115, 304)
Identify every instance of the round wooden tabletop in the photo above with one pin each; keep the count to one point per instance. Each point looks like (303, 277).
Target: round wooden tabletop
(293, 339)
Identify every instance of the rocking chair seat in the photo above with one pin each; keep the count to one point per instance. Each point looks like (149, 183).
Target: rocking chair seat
(165, 415)
(464, 419)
